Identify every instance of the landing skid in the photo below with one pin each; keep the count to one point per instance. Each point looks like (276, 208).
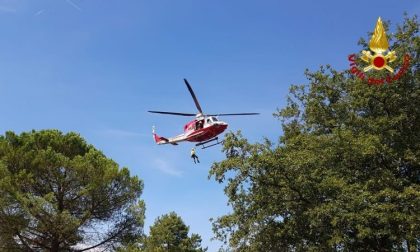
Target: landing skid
(204, 146)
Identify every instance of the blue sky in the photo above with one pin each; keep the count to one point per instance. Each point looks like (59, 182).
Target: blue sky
(96, 67)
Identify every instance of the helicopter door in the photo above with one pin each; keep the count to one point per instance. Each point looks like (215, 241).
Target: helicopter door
(199, 124)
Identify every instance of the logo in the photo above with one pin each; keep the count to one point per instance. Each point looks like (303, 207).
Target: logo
(378, 58)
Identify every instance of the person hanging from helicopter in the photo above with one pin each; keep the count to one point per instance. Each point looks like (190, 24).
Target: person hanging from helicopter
(194, 156)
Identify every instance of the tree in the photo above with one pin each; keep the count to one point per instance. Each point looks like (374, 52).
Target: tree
(57, 193)
(345, 175)
(168, 233)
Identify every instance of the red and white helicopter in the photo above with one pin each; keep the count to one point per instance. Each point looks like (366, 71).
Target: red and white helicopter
(203, 129)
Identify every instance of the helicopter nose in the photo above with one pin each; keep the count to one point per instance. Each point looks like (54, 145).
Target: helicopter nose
(222, 125)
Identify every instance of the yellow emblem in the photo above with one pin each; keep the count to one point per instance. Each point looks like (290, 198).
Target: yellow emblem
(378, 44)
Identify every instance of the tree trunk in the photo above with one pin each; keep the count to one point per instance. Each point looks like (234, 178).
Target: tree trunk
(55, 244)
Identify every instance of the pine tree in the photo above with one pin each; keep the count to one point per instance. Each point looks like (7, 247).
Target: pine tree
(57, 193)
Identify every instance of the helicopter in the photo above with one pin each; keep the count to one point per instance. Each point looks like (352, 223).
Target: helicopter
(203, 129)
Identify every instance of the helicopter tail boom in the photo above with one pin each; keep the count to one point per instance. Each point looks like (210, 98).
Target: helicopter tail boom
(161, 140)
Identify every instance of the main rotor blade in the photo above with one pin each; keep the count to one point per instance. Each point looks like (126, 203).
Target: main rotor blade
(193, 96)
(171, 113)
(235, 114)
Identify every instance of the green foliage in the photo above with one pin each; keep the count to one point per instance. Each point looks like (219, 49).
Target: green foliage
(58, 193)
(168, 233)
(345, 175)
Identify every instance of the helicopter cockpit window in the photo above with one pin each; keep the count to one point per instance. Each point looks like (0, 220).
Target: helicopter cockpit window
(214, 119)
(208, 120)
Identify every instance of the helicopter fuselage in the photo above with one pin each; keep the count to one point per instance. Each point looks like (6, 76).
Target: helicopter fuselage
(203, 129)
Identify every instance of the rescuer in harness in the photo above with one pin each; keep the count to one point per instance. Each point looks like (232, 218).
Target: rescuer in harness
(194, 156)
